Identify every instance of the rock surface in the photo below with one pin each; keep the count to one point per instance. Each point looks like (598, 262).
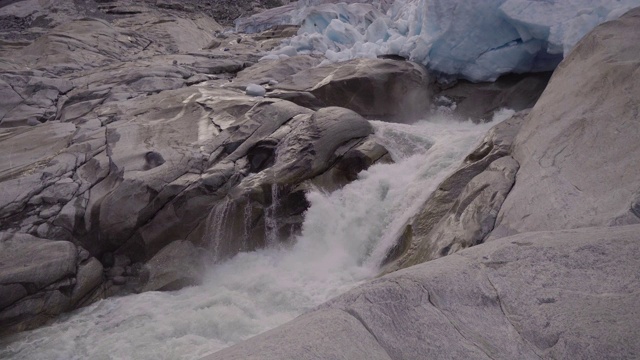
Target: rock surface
(125, 127)
(462, 211)
(177, 265)
(578, 152)
(40, 279)
(374, 88)
(527, 296)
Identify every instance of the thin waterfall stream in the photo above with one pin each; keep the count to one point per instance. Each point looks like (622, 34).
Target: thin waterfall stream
(345, 236)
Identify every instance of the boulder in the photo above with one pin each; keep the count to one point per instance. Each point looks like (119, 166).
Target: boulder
(578, 151)
(40, 279)
(177, 265)
(35, 262)
(462, 211)
(374, 88)
(528, 296)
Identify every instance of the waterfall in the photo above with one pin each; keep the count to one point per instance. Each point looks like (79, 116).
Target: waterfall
(216, 226)
(270, 220)
(344, 238)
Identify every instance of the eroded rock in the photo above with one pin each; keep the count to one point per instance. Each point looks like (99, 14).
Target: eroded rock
(578, 151)
(528, 296)
(375, 88)
(462, 211)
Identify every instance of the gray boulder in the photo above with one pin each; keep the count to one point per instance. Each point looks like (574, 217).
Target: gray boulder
(40, 279)
(177, 265)
(462, 211)
(578, 151)
(374, 88)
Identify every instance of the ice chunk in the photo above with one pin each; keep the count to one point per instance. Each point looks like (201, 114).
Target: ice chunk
(476, 40)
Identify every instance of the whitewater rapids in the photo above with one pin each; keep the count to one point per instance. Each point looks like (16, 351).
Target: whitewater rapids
(345, 236)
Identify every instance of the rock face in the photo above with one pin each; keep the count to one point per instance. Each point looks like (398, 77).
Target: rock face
(125, 127)
(40, 279)
(374, 88)
(462, 211)
(580, 148)
(526, 292)
(527, 296)
(177, 265)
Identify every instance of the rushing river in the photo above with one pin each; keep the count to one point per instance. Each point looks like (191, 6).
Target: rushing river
(345, 236)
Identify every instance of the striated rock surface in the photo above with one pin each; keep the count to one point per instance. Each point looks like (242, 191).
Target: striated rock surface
(462, 211)
(578, 152)
(527, 296)
(375, 88)
(40, 279)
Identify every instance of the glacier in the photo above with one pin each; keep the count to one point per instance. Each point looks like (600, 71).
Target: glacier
(477, 41)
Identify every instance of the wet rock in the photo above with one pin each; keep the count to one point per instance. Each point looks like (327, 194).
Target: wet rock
(374, 88)
(479, 101)
(119, 280)
(462, 210)
(528, 296)
(88, 280)
(571, 174)
(27, 259)
(35, 274)
(177, 265)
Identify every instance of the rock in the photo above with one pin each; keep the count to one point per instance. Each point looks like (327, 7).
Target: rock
(267, 71)
(38, 262)
(528, 296)
(177, 265)
(115, 271)
(119, 280)
(255, 90)
(374, 88)
(135, 143)
(462, 211)
(35, 276)
(88, 279)
(11, 293)
(479, 101)
(571, 175)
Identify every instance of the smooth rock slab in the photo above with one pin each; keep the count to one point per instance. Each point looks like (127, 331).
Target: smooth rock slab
(30, 260)
(565, 294)
(374, 88)
(579, 149)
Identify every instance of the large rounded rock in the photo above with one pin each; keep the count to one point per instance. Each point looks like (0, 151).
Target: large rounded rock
(40, 278)
(579, 149)
(177, 265)
(374, 88)
(462, 211)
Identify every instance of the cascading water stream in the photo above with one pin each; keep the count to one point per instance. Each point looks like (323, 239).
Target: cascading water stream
(345, 236)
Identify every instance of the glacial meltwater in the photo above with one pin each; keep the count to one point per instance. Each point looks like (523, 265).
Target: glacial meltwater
(345, 236)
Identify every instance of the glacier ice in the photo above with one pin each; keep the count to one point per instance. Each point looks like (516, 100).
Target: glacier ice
(475, 40)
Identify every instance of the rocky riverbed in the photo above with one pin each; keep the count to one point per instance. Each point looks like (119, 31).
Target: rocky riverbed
(144, 141)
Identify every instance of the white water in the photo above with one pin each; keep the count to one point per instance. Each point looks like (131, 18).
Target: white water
(345, 236)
